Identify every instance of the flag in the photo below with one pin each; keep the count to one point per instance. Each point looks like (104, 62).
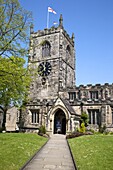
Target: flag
(51, 10)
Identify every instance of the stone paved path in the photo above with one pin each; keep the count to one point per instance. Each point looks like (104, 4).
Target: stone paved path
(55, 155)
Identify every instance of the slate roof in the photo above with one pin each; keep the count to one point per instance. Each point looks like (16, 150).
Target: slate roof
(69, 107)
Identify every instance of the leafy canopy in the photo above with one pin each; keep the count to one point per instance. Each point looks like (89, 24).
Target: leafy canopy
(14, 81)
(14, 38)
(14, 27)
(14, 41)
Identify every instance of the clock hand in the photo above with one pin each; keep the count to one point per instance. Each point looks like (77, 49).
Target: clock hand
(44, 68)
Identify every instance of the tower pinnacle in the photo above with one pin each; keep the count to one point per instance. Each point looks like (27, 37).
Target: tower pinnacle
(73, 37)
(61, 21)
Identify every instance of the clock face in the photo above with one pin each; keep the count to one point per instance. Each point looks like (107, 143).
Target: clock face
(44, 69)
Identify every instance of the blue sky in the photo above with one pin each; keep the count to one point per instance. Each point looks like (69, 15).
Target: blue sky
(92, 23)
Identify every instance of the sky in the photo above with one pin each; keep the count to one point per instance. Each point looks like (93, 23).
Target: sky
(91, 21)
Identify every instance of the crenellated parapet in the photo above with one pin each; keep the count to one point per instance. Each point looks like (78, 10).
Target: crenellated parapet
(92, 93)
(52, 30)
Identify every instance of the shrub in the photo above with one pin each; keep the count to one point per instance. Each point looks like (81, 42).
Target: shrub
(77, 129)
(77, 134)
(74, 134)
(102, 129)
(84, 118)
(110, 133)
(42, 130)
(105, 132)
(82, 128)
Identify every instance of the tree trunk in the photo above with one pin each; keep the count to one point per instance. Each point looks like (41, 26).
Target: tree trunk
(4, 119)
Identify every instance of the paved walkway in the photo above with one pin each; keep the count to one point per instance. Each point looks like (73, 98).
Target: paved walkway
(55, 155)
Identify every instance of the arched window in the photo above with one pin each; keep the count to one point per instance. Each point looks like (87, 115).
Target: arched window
(46, 49)
(68, 53)
(68, 50)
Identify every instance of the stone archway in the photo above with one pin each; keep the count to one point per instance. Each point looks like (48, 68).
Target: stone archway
(60, 122)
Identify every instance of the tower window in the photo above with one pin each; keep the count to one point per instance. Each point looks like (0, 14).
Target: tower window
(68, 53)
(35, 116)
(68, 50)
(46, 49)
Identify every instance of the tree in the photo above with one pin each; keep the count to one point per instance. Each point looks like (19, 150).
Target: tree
(14, 41)
(84, 118)
(14, 27)
(14, 83)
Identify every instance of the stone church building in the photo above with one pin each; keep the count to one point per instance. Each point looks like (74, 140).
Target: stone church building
(55, 100)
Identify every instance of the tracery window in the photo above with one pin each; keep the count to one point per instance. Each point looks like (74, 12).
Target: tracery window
(68, 52)
(46, 49)
(94, 116)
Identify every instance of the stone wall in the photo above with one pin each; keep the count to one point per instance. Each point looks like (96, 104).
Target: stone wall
(12, 119)
(96, 100)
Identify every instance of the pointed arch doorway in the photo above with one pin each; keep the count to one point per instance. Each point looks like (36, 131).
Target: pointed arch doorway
(60, 122)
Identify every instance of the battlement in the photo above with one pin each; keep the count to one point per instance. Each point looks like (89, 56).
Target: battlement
(52, 30)
(97, 86)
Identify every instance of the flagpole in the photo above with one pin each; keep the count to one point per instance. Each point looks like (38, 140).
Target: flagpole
(47, 19)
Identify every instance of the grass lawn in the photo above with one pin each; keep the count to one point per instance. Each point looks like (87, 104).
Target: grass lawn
(94, 152)
(17, 148)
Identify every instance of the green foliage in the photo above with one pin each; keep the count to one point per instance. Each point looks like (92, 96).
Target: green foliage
(42, 130)
(102, 129)
(14, 29)
(82, 128)
(17, 148)
(110, 133)
(74, 135)
(14, 82)
(77, 129)
(77, 134)
(84, 118)
(14, 41)
(93, 152)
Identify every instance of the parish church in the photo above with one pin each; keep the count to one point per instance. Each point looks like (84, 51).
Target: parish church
(54, 99)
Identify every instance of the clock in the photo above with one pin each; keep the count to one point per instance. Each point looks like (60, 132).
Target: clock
(44, 69)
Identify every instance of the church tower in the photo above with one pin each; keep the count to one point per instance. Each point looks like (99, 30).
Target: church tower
(52, 58)
(52, 64)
